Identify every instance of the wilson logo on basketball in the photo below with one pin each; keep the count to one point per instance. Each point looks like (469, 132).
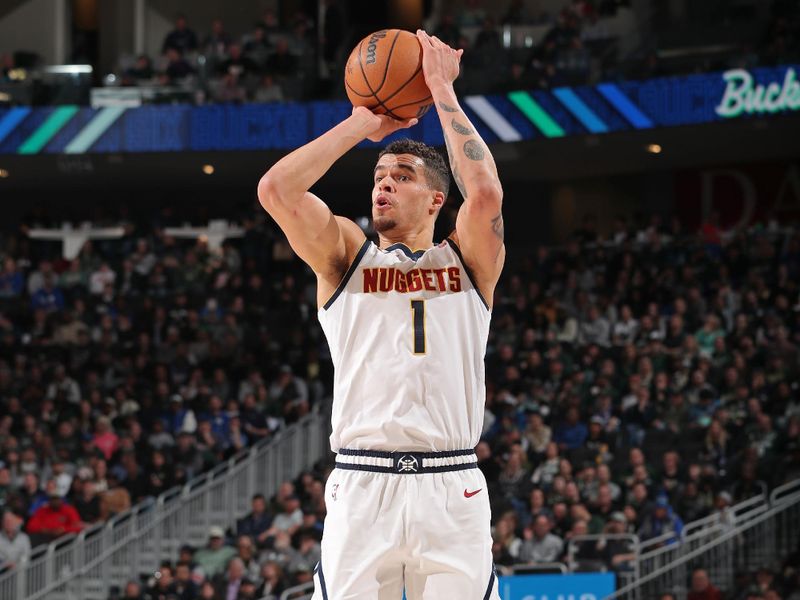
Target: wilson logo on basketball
(372, 45)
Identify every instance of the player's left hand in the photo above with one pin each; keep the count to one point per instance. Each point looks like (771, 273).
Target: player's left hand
(377, 127)
(440, 62)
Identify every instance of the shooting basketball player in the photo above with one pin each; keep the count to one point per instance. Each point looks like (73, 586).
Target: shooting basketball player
(407, 322)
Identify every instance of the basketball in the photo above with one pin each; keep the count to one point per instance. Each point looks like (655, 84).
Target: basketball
(384, 73)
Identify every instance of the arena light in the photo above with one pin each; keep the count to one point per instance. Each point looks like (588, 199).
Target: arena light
(208, 169)
(4, 173)
(653, 148)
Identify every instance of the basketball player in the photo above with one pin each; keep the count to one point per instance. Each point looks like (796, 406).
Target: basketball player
(407, 322)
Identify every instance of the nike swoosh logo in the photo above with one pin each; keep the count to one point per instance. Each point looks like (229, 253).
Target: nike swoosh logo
(471, 494)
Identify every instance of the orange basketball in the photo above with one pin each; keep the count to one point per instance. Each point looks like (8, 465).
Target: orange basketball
(384, 73)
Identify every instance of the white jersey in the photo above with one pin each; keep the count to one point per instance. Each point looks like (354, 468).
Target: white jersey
(407, 333)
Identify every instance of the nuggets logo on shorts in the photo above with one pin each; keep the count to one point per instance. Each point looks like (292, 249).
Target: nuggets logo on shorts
(407, 464)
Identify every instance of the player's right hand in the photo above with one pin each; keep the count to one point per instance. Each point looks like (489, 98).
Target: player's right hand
(377, 127)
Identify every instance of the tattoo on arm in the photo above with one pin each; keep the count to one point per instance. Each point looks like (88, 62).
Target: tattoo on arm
(498, 227)
(447, 107)
(456, 176)
(473, 150)
(462, 129)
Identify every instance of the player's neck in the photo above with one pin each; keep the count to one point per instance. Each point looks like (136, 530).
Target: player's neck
(418, 241)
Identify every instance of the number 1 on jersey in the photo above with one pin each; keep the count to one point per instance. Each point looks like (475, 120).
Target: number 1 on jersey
(418, 322)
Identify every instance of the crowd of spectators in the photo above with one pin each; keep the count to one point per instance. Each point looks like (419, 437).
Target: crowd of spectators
(636, 381)
(290, 59)
(140, 364)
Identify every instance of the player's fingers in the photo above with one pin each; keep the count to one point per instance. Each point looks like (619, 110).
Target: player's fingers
(424, 38)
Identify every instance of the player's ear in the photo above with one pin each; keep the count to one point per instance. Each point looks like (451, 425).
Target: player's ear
(437, 201)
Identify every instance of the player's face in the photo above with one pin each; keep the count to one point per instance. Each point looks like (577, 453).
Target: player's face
(401, 198)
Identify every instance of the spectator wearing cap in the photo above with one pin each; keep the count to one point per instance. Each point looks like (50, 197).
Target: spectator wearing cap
(178, 417)
(661, 520)
(54, 519)
(702, 588)
(215, 556)
(539, 544)
(618, 553)
(15, 545)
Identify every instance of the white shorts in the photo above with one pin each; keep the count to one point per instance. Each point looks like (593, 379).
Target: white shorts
(406, 522)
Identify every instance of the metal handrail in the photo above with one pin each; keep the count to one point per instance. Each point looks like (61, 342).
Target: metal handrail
(70, 559)
(727, 535)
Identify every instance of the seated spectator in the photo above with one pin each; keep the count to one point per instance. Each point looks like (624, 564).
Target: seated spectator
(177, 68)
(618, 554)
(164, 585)
(181, 39)
(237, 64)
(12, 281)
(53, 520)
(257, 47)
(571, 433)
(661, 520)
(185, 586)
(15, 545)
(268, 90)
(246, 552)
(215, 556)
(281, 63)
(227, 585)
(257, 524)
(273, 580)
(141, 71)
(539, 545)
(133, 591)
(87, 503)
(702, 588)
(215, 46)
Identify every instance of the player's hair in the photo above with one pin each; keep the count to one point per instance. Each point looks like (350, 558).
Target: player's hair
(436, 171)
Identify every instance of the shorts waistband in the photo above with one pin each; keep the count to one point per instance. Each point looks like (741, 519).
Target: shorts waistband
(405, 463)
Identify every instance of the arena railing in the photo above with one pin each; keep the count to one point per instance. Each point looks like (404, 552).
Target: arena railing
(666, 555)
(87, 565)
(762, 537)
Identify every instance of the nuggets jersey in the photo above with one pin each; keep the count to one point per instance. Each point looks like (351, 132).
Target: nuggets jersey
(407, 333)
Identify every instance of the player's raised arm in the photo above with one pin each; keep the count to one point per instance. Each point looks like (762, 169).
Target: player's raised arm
(321, 239)
(479, 226)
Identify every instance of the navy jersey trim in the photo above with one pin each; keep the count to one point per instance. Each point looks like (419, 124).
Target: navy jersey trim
(457, 250)
(318, 571)
(348, 275)
(488, 593)
(415, 256)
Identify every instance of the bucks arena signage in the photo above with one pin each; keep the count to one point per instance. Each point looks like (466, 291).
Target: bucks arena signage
(115, 124)
(744, 95)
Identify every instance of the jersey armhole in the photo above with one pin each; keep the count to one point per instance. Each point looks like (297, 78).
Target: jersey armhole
(468, 271)
(347, 275)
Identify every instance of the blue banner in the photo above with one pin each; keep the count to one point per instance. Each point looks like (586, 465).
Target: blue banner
(573, 586)
(521, 115)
